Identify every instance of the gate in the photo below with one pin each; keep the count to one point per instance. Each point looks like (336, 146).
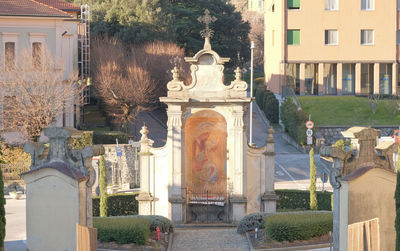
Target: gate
(206, 206)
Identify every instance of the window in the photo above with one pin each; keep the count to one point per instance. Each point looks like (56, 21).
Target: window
(273, 7)
(9, 51)
(37, 55)
(367, 37)
(367, 4)
(331, 37)
(273, 38)
(331, 5)
(260, 4)
(293, 37)
(293, 4)
(398, 37)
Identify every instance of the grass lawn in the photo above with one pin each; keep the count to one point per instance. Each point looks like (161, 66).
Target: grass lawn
(347, 111)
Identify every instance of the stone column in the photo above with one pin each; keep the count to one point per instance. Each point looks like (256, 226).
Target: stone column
(358, 79)
(339, 79)
(394, 78)
(302, 78)
(238, 199)
(145, 198)
(320, 79)
(269, 198)
(376, 78)
(175, 164)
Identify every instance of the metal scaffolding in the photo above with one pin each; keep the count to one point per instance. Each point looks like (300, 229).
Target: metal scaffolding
(84, 58)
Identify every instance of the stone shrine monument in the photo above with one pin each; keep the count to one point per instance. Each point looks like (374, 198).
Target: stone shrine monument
(58, 191)
(364, 182)
(206, 172)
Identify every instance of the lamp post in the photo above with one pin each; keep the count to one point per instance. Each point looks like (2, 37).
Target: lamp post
(252, 47)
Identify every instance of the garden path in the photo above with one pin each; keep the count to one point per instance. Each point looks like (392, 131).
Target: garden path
(208, 239)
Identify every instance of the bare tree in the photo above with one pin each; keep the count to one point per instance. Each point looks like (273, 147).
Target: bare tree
(35, 92)
(129, 80)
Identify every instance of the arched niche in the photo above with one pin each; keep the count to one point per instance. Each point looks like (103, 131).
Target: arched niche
(206, 151)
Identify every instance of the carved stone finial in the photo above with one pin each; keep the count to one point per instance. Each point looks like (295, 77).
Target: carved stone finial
(207, 33)
(144, 133)
(271, 132)
(175, 74)
(238, 74)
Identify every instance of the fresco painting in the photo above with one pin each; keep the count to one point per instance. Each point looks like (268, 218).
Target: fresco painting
(206, 151)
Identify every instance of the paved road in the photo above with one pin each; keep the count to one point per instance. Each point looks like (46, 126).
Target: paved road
(292, 167)
(213, 239)
(15, 224)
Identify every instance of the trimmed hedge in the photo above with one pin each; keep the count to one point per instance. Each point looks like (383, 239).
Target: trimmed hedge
(108, 137)
(117, 204)
(294, 121)
(300, 200)
(122, 230)
(268, 103)
(291, 227)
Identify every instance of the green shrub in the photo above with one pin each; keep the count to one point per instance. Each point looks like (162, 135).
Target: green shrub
(118, 204)
(271, 107)
(103, 187)
(164, 224)
(85, 140)
(250, 222)
(107, 137)
(122, 230)
(259, 95)
(294, 121)
(300, 200)
(313, 180)
(291, 227)
(397, 203)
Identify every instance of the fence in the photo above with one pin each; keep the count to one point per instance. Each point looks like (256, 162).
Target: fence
(364, 236)
(12, 171)
(86, 238)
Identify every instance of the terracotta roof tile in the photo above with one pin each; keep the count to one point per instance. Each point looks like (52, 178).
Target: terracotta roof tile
(60, 4)
(29, 8)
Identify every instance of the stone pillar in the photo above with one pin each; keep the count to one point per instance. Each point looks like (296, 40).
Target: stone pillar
(269, 198)
(339, 79)
(320, 79)
(376, 78)
(145, 198)
(175, 164)
(238, 199)
(358, 79)
(302, 78)
(394, 78)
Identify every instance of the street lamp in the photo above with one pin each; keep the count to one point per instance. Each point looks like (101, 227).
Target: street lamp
(252, 47)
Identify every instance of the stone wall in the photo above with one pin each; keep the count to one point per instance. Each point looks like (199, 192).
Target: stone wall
(332, 134)
(122, 172)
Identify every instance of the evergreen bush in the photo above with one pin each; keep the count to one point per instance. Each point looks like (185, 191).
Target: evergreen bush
(294, 121)
(122, 230)
(300, 200)
(302, 226)
(108, 137)
(271, 107)
(313, 180)
(250, 222)
(85, 140)
(117, 204)
(397, 202)
(103, 187)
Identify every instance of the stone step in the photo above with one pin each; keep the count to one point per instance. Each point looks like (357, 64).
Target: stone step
(206, 225)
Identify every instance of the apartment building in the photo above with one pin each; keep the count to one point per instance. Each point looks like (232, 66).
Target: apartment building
(332, 47)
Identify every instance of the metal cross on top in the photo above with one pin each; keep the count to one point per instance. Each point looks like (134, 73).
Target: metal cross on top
(207, 19)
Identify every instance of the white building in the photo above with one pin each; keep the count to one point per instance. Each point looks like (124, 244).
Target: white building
(27, 25)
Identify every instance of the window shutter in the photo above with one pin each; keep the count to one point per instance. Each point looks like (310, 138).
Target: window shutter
(296, 37)
(290, 37)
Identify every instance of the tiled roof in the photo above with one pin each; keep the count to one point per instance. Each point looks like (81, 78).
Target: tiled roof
(60, 4)
(29, 8)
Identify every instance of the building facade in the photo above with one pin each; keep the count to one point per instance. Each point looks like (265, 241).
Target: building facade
(33, 26)
(332, 47)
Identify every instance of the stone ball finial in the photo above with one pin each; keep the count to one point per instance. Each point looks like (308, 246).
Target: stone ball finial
(271, 132)
(238, 74)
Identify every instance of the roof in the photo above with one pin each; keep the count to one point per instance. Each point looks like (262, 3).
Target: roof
(60, 4)
(62, 167)
(29, 8)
